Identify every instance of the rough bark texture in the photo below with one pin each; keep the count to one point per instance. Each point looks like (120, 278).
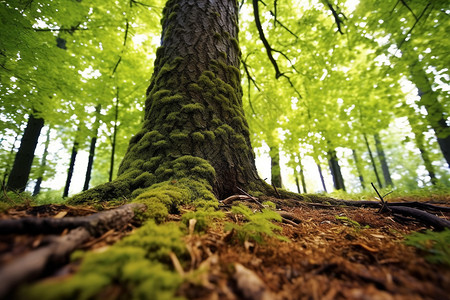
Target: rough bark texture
(20, 172)
(335, 170)
(435, 112)
(194, 112)
(383, 161)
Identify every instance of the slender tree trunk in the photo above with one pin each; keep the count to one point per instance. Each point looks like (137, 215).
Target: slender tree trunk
(322, 179)
(71, 165)
(37, 187)
(302, 176)
(296, 181)
(335, 170)
(275, 166)
(435, 112)
(420, 143)
(194, 114)
(92, 148)
(372, 160)
(383, 161)
(23, 161)
(113, 151)
(10, 157)
(358, 169)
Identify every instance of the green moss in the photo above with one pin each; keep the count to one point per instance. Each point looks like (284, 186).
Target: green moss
(161, 144)
(209, 135)
(178, 136)
(235, 43)
(198, 137)
(223, 54)
(193, 107)
(204, 218)
(144, 180)
(217, 36)
(139, 264)
(194, 87)
(172, 16)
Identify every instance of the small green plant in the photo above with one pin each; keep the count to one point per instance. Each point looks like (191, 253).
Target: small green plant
(257, 225)
(204, 218)
(436, 245)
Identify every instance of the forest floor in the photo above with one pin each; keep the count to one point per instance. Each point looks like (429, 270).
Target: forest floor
(334, 252)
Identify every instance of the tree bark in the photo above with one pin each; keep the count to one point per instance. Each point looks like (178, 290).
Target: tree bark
(358, 169)
(383, 161)
(419, 138)
(113, 150)
(37, 187)
(435, 112)
(92, 148)
(23, 161)
(319, 168)
(372, 160)
(71, 166)
(335, 170)
(275, 166)
(302, 176)
(194, 110)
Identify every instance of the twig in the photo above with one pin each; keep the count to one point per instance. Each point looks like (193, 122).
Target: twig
(383, 203)
(251, 197)
(276, 191)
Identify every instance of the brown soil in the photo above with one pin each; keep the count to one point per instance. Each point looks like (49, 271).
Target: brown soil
(328, 257)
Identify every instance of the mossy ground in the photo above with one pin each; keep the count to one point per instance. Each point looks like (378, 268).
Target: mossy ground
(326, 255)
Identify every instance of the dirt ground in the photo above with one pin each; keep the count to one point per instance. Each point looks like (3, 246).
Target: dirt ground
(333, 253)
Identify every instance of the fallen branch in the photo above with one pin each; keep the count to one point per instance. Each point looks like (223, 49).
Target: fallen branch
(33, 264)
(96, 224)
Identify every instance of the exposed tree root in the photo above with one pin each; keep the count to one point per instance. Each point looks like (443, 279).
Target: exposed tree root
(36, 263)
(96, 224)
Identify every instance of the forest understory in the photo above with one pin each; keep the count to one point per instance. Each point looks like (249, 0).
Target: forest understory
(321, 251)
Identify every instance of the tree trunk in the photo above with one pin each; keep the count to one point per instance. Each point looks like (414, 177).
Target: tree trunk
(23, 161)
(372, 160)
(420, 143)
(335, 170)
(71, 165)
(383, 162)
(194, 125)
(319, 168)
(275, 166)
(358, 169)
(8, 165)
(435, 112)
(37, 187)
(296, 182)
(92, 148)
(302, 176)
(113, 151)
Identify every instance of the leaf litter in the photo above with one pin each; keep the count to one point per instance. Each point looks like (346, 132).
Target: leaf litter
(334, 252)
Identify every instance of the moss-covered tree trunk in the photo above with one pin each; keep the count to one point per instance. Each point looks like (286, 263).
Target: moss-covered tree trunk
(20, 171)
(194, 124)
